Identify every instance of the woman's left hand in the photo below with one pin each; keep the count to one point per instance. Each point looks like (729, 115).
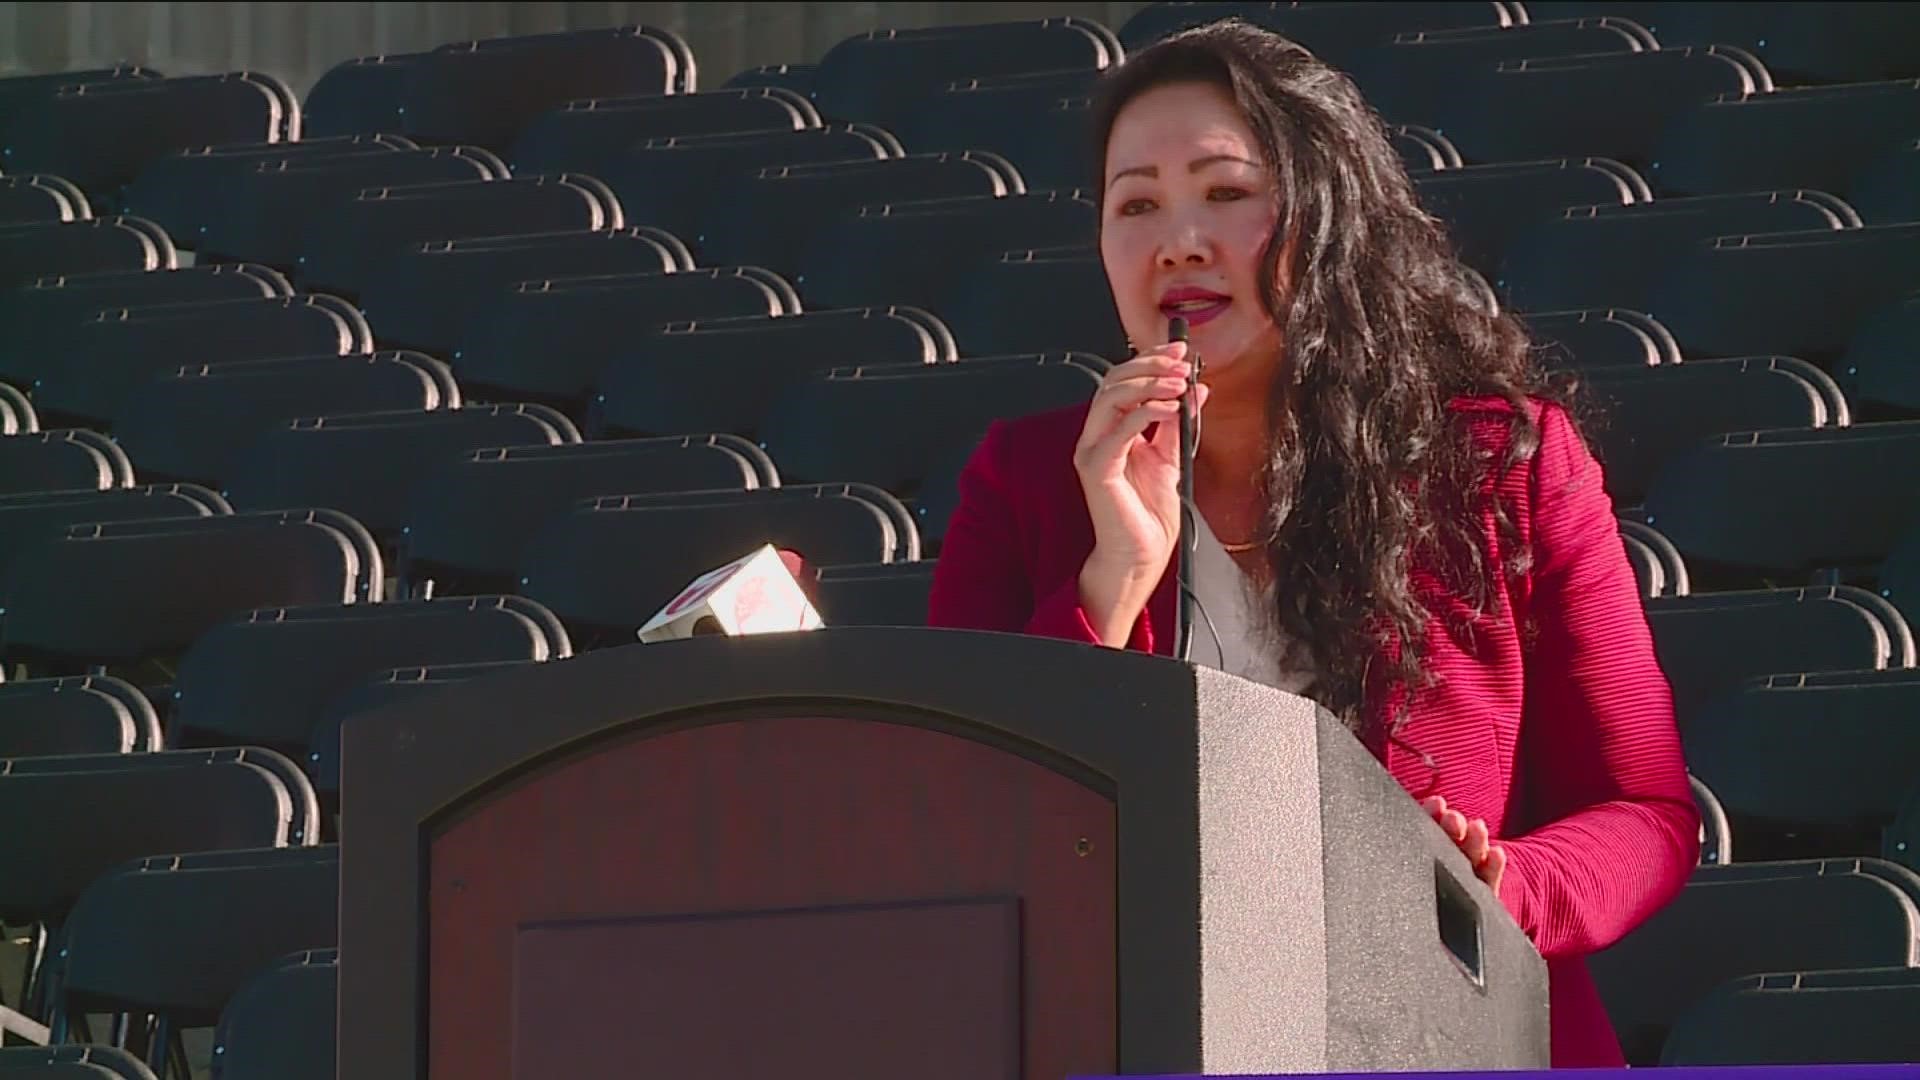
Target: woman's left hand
(1488, 858)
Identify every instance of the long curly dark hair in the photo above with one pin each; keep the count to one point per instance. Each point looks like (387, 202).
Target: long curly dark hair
(1368, 470)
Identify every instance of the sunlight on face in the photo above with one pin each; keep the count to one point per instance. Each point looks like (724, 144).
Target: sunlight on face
(1184, 222)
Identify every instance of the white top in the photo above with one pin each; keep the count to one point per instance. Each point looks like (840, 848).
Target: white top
(1254, 648)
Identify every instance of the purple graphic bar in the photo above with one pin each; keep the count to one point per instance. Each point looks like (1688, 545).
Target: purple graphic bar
(1675, 1073)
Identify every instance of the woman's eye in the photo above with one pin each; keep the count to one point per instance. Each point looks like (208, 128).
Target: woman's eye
(1134, 207)
(1226, 194)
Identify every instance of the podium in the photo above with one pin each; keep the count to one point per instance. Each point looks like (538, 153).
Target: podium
(901, 853)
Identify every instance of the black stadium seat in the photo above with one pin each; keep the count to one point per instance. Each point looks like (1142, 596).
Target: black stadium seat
(132, 589)
(405, 684)
(280, 1025)
(193, 423)
(1336, 32)
(673, 182)
(585, 564)
(21, 94)
(1739, 499)
(878, 594)
(888, 425)
(1887, 189)
(74, 1061)
(87, 714)
(185, 191)
(580, 135)
(423, 296)
(795, 77)
(1712, 643)
(99, 246)
(990, 112)
(1487, 207)
(176, 936)
(724, 374)
(770, 218)
(26, 519)
(1653, 414)
(1748, 919)
(136, 805)
(62, 460)
(1674, 577)
(1802, 1017)
(93, 370)
(359, 97)
(1601, 255)
(17, 415)
(369, 465)
(1051, 300)
(1610, 339)
(550, 340)
(1881, 364)
(475, 515)
(41, 199)
(344, 244)
(30, 312)
(1716, 834)
(262, 679)
(886, 75)
(1815, 137)
(1808, 42)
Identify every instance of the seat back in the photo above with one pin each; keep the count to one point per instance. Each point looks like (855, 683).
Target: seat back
(1802, 1017)
(361, 96)
(1740, 142)
(280, 1024)
(61, 460)
(579, 135)
(405, 684)
(876, 594)
(72, 1062)
(1486, 207)
(184, 192)
(1046, 301)
(28, 519)
(98, 246)
(90, 714)
(1333, 31)
(885, 75)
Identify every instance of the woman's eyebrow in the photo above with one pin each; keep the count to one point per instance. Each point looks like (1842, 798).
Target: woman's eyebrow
(1153, 171)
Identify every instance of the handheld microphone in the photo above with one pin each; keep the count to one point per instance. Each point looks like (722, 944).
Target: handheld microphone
(1189, 538)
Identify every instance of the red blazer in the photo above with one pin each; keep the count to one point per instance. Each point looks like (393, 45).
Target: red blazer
(1567, 748)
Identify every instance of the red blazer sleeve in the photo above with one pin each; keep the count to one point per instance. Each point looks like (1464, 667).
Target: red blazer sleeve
(1617, 831)
(985, 578)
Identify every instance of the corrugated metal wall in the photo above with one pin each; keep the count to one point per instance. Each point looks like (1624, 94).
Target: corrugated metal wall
(299, 41)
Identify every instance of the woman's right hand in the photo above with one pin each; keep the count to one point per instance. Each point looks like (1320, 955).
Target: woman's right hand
(1128, 461)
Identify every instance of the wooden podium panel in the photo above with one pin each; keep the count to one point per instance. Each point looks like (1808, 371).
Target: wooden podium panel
(969, 897)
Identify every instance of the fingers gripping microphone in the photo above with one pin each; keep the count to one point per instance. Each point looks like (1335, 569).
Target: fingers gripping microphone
(1189, 445)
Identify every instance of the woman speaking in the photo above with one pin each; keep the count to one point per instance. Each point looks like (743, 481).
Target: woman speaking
(1396, 515)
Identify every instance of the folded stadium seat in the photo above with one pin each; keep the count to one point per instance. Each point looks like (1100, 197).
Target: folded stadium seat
(359, 96)
(1675, 580)
(1409, 78)
(344, 244)
(62, 460)
(795, 77)
(370, 464)
(550, 340)
(387, 688)
(1614, 105)
(1601, 340)
(770, 218)
(991, 112)
(16, 412)
(887, 425)
(1810, 764)
(1887, 189)
(1591, 256)
(29, 312)
(26, 519)
(1711, 643)
(1804, 42)
(1486, 207)
(175, 937)
(1650, 415)
(580, 135)
(1737, 499)
(185, 191)
(1902, 840)
(37, 199)
(1899, 578)
(71, 1062)
(279, 1025)
(1741, 142)
(88, 714)
(878, 254)
(122, 591)
(885, 76)
(100, 135)
(1423, 149)
(1732, 921)
(671, 183)
(97, 246)
(423, 297)
(474, 516)
(880, 594)
(261, 679)
(487, 92)
(1335, 32)
(1802, 1017)
(194, 423)
(1716, 834)
(609, 564)
(1048, 300)
(1802, 294)
(93, 370)
(264, 213)
(20, 94)
(136, 804)
(1648, 574)
(725, 374)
